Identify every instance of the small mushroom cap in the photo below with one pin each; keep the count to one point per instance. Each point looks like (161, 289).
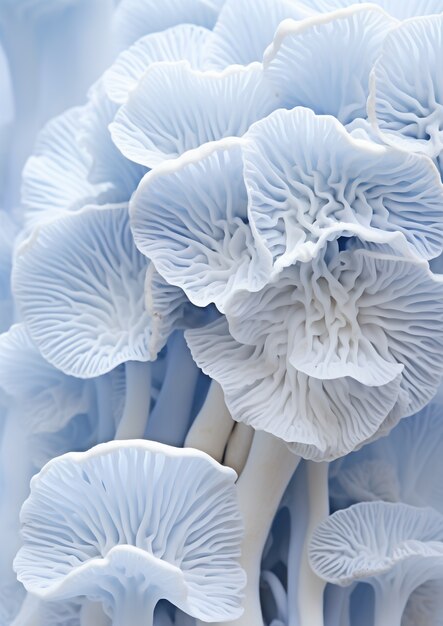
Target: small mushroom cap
(190, 108)
(324, 62)
(80, 286)
(135, 18)
(326, 353)
(309, 180)
(245, 28)
(401, 10)
(388, 541)
(182, 42)
(402, 467)
(409, 113)
(55, 177)
(190, 217)
(135, 513)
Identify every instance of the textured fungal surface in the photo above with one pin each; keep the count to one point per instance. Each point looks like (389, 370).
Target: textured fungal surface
(221, 312)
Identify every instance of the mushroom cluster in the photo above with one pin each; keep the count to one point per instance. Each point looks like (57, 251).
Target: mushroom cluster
(221, 312)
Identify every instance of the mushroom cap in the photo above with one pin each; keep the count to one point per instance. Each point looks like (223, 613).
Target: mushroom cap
(330, 350)
(190, 108)
(401, 10)
(49, 398)
(323, 62)
(133, 19)
(402, 467)
(309, 180)
(80, 285)
(379, 540)
(190, 217)
(181, 42)
(55, 176)
(135, 513)
(245, 28)
(406, 112)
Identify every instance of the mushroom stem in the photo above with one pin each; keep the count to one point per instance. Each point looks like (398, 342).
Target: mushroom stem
(92, 614)
(238, 447)
(268, 470)
(170, 417)
(136, 609)
(310, 586)
(337, 604)
(137, 401)
(106, 425)
(212, 426)
(389, 606)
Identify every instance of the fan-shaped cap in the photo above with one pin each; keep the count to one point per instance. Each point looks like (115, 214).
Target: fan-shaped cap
(326, 353)
(379, 540)
(324, 62)
(135, 522)
(108, 165)
(406, 98)
(135, 18)
(183, 42)
(190, 217)
(190, 108)
(308, 180)
(245, 28)
(401, 10)
(403, 467)
(55, 177)
(51, 397)
(80, 286)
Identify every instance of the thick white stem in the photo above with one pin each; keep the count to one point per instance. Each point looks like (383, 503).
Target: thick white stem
(92, 614)
(212, 426)
(389, 606)
(137, 609)
(137, 401)
(238, 447)
(310, 586)
(29, 614)
(268, 470)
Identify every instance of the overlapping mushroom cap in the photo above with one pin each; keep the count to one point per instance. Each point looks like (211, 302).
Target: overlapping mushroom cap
(403, 467)
(392, 546)
(410, 113)
(80, 285)
(331, 350)
(130, 523)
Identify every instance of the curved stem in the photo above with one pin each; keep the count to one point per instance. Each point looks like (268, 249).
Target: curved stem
(310, 586)
(169, 421)
(238, 447)
(92, 614)
(389, 606)
(29, 614)
(137, 401)
(105, 430)
(212, 426)
(337, 605)
(268, 470)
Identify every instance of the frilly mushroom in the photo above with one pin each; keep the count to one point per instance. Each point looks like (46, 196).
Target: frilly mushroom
(394, 547)
(135, 18)
(131, 523)
(410, 114)
(190, 108)
(190, 217)
(182, 42)
(402, 467)
(55, 177)
(400, 10)
(324, 358)
(299, 199)
(80, 286)
(324, 62)
(245, 27)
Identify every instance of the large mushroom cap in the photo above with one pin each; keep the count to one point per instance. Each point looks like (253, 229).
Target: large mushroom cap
(135, 522)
